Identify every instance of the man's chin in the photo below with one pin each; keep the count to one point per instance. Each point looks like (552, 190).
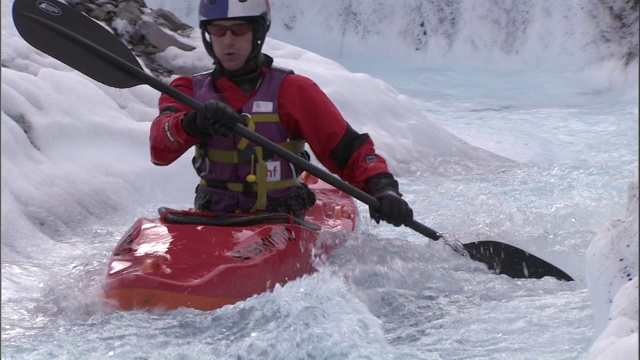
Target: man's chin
(231, 65)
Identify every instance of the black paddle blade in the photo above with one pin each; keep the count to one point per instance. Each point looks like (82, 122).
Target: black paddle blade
(75, 39)
(512, 261)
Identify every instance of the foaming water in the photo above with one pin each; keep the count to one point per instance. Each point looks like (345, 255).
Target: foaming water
(575, 145)
(495, 111)
(437, 306)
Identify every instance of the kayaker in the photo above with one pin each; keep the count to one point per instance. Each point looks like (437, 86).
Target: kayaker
(286, 108)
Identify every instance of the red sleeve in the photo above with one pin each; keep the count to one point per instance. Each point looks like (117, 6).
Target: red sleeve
(167, 138)
(306, 112)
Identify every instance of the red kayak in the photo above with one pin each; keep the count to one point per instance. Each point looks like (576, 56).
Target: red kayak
(205, 261)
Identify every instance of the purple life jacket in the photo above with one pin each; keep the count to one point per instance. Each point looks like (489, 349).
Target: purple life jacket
(236, 175)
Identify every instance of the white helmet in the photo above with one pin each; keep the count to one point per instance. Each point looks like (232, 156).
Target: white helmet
(225, 9)
(256, 12)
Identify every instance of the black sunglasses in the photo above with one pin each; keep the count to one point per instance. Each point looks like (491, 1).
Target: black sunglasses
(219, 30)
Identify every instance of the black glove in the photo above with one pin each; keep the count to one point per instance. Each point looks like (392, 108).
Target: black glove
(217, 118)
(392, 209)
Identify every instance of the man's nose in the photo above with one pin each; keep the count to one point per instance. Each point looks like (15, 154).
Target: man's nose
(228, 37)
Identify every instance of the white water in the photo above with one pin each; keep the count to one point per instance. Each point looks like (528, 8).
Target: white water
(388, 293)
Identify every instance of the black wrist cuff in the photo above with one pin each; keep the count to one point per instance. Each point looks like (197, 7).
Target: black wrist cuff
(382, 181)
(190, 125)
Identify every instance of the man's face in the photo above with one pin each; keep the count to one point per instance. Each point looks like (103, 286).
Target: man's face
(231, 41)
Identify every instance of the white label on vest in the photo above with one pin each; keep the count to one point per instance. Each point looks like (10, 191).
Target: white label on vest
(274, 171)
(262, 106)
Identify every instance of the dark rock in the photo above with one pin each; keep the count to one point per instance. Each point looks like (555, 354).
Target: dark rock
(168, 19)
(129, 12)
(147, 32)
(159, 38)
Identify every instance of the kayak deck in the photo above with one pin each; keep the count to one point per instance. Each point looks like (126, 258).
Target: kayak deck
(194, 259)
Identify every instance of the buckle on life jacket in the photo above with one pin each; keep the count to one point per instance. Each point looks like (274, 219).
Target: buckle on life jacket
(199, 159)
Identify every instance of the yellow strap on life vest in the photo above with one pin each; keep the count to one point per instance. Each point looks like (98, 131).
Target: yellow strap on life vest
(262, 118)
(233, 156)
(251, 125)
(240, 187)
(261, 200)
